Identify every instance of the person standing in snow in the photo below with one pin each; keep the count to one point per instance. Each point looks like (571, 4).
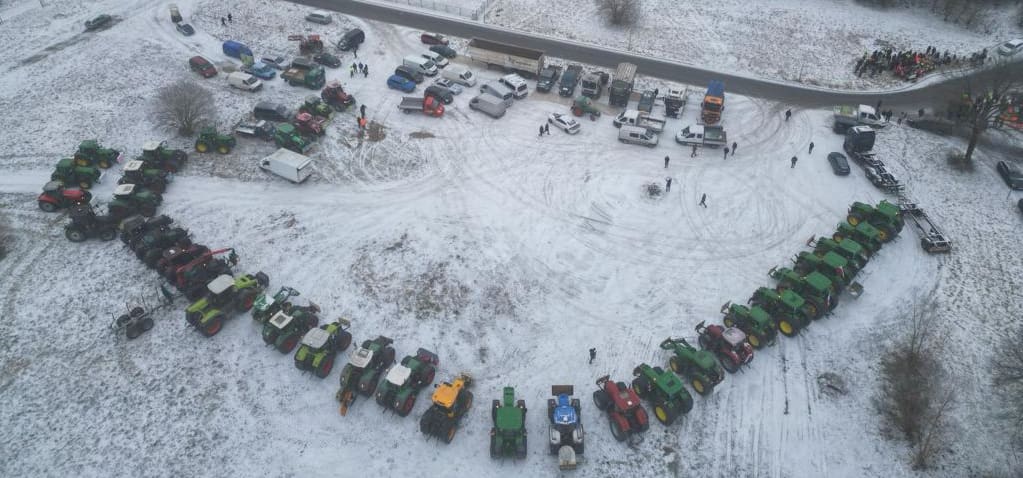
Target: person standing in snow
(362, 109)
(355, 51)
(229, 19)
(666, 159)
(794, 159)
(788, 114)
(667, 186)
(223, 22)
(593, 354)
(811, 148)
(541, 131)
(703, 200)
(365, 71)
(735, 146)
(726, 153)
(547, 129)
(694, 152)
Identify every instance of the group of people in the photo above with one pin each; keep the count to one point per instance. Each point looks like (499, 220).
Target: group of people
(359, 67)
(909, 64)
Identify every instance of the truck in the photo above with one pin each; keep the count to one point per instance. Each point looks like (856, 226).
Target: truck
(569, 80)
(642, 119)
(593, 84)
(288, 164)
(675, 101)
(429, 105)
(548, 78)
(849, 116)
(713, 102)
(510, 58)
(237, 50)
(702, 135)
(312, 78)
(621, 85)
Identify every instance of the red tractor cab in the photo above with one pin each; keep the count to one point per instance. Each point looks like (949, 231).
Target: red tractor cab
(625, 412)
(55, 197)
(191, 278)
(728, 344)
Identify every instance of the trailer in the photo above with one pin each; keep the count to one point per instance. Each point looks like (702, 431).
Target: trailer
(932, 239)
(510, 58)
(621, 84)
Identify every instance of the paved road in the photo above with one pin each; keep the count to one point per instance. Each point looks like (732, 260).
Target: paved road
(911, 97)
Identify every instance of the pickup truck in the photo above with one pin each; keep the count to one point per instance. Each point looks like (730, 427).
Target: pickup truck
(548, 78)
(312, 78)
(702, 135)
(643, 119)
(257, 129)
(849, 116)
(430, 105)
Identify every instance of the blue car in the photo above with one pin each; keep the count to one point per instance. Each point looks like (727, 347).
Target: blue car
(261, 70)
(401, 83)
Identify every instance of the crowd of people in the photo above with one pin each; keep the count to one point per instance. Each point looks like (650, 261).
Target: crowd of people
(910, 65)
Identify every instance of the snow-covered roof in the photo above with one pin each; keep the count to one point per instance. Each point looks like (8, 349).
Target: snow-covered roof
(150, 145)
(124, 189)
(316, 338)
(733, 336)
(133, 165)
(399, 374)
(281, 320)
(220, 284)
(361, 358)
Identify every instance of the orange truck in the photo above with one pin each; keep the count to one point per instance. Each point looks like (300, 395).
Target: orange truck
(713, 102)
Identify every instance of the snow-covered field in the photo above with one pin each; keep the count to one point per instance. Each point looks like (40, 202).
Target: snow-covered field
(507, 254)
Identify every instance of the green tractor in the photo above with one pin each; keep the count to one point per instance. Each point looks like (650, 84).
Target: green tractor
(863, 233)
(788, 310)
(664, 390)
(287, 137)
(850, 250)
(136, 172)
(131, 199)
(699, 366)
(316, 107)
(90, 153)
(67, 173)
(211, 140)
(157, 155)
(267, 305)
(319, 347)
(813, 287)
(760, 330)
(831, 265)
(287, 326)
(886, 218)
(508, 435)
(360, 374)
(584, 105)
(399, 388)
(225, 295)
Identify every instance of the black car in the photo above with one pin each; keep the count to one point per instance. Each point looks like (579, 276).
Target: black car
(327, 59)
(839, 164)
(99, 22)
(408, 73)
(271, 111)
(444, 50)
(351, 39)
(1011, 174)
(439, 92)
(185, 29)
(548, 78)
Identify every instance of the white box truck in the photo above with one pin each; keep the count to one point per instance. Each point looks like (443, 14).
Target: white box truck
(289, 165)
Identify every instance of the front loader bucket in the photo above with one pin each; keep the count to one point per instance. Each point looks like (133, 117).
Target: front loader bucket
(771, 273)
(562, 389)
(855, 289)
(724, 308)
(812, 241)
(566, 458)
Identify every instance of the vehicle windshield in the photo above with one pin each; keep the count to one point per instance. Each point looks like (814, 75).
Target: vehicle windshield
(250, 80)
(429, 64)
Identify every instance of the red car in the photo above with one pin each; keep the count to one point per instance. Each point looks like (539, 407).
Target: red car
(202, 66)
(433, 39)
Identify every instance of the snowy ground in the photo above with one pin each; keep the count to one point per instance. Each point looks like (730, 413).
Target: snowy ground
(507, 254)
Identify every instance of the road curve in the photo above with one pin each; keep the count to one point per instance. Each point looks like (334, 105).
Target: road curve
(928, 93)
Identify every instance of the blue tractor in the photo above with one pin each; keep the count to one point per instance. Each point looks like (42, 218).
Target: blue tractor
(566, 427)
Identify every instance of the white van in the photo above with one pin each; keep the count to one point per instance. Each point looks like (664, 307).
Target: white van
(436, 58)
(288, 164)
(460, 75)
(489, 104)
(500, 91)
(417, 62)
(637, 135)
(516, 84)
(244, 81)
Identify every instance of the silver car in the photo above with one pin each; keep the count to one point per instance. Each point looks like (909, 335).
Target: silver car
(455, 88)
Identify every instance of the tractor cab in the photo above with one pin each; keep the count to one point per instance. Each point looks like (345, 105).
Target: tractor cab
(445, 395)
(220, 287)
(133, 166)
(564, 412)
(791, 300)
(362, 357)
(398, 375)
(124, 190)
(281, 320)
(151, 149)
(53, 187)
(734, 337)
(853, 249)
(316, 338)
(836, 263)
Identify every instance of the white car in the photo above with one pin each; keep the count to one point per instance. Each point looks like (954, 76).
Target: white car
(565, 122)
(453, 87)
(1011, 47)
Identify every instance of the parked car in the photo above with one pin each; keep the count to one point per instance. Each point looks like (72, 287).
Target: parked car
(99, 22)
(1010, 47)
(637, 135)
(488, 104)
(351, 39)
(440, 60)
(319, 16)
(450, 85)
(460, 75)
(515, 83)
(1011, 174)
(185, 29)
(433, 39)
(839, 164)
(441, 93)
(260, 70)
(266, 110)
(202, 66)
(444, 50)
(327, 59)
(564, 122)
(409, 73)
(399, 82)
(175, 13)
(244, 81)
(278, 62)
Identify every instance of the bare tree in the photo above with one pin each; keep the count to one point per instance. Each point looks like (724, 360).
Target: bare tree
(933, 433)
(984, 98)
(184, 106)
(1007, 364)
(619, 12)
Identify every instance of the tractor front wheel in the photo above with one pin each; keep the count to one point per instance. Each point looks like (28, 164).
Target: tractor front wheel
(617, 429)
(246, 300)
(344, 341)
(885, 233)
(600, 399)
(853, 219)
(728, 321)
(406, 407)
(48, 206)
(75, 234)
(201, 147)
(788, 328)
(325, 367)
(84, 184)
(755, 341)
(103, 164)
(729, 365)
(699, 387)
(641, 386)
(674, 365)
(223, 149)
(108, 235)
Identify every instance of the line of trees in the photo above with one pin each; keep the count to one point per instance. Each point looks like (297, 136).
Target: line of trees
(964, 12)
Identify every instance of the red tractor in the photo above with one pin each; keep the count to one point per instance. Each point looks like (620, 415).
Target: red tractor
(729, 344)
(173, 257)
(624, 410)
(308, 44)
(55, 196)
(335, 96)
(191, 278)
(308, 124)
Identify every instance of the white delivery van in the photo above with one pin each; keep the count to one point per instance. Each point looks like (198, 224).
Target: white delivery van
(460, 75)
(515, 83)
(489, 104)
(244, 81)
(289, 165)
(425, 66)
(500, 91)
(436, 58)
(637, 135)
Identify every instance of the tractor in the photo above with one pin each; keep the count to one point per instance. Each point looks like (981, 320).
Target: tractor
(266, 305)
(850, 250)
(135, 172)
(286, 327)
(886, 218)
(584, 105)
(55, 197)
(67, 173)
(224, 295)
(361, 372)
(508, 435)
(625, 412)
(320, 347)
(308, 124)
(400, 387)
(172, 258)
(308, 44)
(665, 390)
(566, 426)
(788, 310)
(699, 366)
(287, 137)
(832, 266)
(90, 153)
(814, 287)
(157, 155)
(134, 227)
(211, 140)
(728, 343)
(863, 233)
(191, 278)
(153, 237)
(451, 401)
(760, 330)
(85, 224)
(131, 199)
(316, 107)
(335, 96)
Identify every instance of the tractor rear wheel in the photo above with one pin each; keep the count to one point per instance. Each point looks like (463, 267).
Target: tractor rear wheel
(495, 450)
(201, 147)
(108, 235)
(617, 429)
(641, 385)
(103, 164)
(448, 429)
(600, 399)
(325, 367)
(674, 365)
(426, 422)
(494, 405)
(85, 184)
(245, 300)
(642, 420)
(223, 149)
(755, 340)
(344, 341)
(48, 206)
(287, 344)
(74, 234)
(148, 210)
(406, 407)
(885, 233)
(467, 405)
(699, 386)
(388, 355)
(213, 326)
(813, 309)
(853, 219)
(728, 364)
(704, 342)
(788, 328)
(133, 331)
(663, 414)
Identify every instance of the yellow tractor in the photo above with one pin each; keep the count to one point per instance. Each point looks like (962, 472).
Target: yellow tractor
(451, 401)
